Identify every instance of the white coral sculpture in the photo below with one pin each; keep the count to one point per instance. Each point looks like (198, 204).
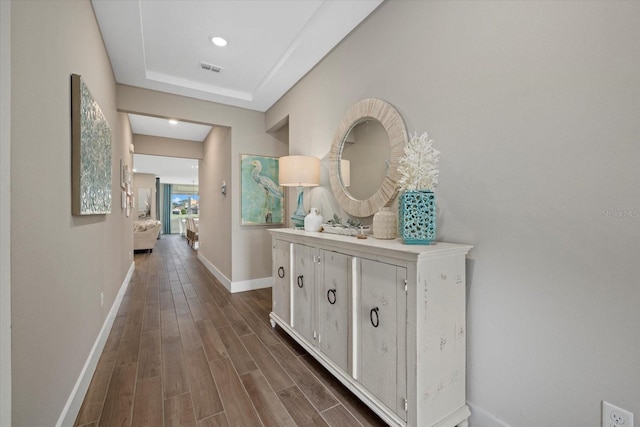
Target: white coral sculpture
(419, 165)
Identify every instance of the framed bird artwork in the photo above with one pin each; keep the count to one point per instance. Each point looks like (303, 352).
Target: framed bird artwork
(261, 196)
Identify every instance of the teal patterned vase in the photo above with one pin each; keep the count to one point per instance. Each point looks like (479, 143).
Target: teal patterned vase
(417, 217)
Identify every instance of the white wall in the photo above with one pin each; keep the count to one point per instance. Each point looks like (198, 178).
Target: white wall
(60, 264)
(535, 107)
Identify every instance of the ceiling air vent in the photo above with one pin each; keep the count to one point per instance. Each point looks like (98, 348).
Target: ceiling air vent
(210, 67)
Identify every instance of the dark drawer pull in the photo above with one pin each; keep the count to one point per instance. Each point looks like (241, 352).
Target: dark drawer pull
(300, 281)
(371, 313)
(281, 272)
(329, 293)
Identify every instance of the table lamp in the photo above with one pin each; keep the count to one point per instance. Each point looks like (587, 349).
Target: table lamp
(299, 171)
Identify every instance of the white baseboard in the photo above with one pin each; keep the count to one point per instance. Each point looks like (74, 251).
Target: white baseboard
(481, 418)
(216, 273)
(71, 409)
(250, 285)
(239, 286)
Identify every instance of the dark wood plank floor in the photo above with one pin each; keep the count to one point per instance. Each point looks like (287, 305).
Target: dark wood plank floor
(183, 351)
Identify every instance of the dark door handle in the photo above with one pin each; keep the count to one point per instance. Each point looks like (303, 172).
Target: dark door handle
(374, 311)
(329, 293)
(300, 281)
(281, 272)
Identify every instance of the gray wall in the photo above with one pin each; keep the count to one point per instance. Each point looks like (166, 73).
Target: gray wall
(60, 263)
(169, 147)
(535, 107)
(5, 213)
(216, 222)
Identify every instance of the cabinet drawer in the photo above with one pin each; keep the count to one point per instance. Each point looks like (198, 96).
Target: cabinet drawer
(281, 279)
(382, 320)
(302, 291)
(332, 304)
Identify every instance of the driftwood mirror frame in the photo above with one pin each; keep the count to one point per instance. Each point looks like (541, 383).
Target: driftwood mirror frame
(394, 126)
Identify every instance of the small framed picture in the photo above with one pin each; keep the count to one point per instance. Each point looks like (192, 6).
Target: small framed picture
(123, 181)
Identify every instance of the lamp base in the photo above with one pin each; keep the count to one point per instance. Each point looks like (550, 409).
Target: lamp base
(297, 217)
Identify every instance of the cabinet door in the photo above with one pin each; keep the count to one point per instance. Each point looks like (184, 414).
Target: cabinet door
(332, 304)
(382, 332)
(302, 290)
(281, 292)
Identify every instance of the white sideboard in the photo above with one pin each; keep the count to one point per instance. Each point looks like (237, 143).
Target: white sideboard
(386, 319)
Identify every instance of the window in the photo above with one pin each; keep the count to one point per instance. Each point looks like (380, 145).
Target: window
(185, 202)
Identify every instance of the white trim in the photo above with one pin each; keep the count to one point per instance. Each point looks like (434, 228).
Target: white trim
(5, 213)
(240, 286)
(481, 418)
(216, 273)
(250, 285)
(72, 408)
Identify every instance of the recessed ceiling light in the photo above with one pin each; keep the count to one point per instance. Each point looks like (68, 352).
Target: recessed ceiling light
(173, 121)
(218, 41)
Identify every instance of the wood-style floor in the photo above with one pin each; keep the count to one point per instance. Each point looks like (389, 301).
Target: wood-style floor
(183, 351)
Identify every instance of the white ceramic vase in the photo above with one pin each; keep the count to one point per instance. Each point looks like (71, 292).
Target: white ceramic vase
(313, 221)
(385, 224)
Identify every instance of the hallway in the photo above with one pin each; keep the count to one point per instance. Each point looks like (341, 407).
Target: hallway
(183, 351)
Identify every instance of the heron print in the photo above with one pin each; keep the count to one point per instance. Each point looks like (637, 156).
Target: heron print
(262, 197)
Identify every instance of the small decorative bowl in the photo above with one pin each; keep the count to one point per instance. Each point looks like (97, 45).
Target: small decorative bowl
(344, 231)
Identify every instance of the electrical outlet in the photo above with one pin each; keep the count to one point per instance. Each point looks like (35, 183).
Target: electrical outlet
(612, 416)
(101, 299)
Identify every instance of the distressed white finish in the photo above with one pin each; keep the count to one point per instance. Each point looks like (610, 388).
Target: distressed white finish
(281, 272)
(382, 320)
(302, 290)
(332, 302)
(416, 354)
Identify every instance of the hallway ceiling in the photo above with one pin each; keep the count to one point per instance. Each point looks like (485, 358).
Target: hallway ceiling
(160, 44)
(154, 126)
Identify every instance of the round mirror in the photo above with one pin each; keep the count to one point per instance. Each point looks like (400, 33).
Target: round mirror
(366, 149)
(364, 157)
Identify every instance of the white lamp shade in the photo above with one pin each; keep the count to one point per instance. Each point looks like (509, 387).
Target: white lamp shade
(345, 172)
(299, 171)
